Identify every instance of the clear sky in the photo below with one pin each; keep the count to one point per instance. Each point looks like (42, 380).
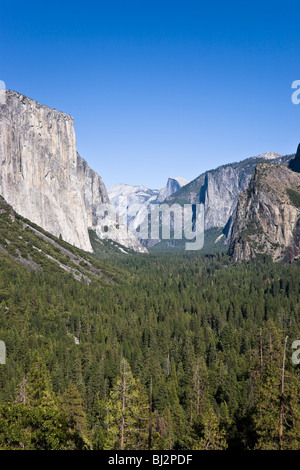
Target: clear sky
(159, 88)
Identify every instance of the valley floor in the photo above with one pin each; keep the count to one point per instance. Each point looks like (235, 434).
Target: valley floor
(188, 346)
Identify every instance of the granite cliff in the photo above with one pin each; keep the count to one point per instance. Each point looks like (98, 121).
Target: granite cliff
(219, 189)
(268, 216)
(45, 180)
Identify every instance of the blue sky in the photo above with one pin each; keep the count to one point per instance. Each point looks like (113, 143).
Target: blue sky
(159, 88)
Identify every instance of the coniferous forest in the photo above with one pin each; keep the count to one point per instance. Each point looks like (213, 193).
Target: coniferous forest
(149, 231)
(180, 352)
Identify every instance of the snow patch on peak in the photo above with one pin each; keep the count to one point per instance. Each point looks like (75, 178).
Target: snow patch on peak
(270, 155)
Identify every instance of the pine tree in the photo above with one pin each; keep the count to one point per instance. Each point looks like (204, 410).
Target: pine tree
(213, 437)
(73, 409)
(127, 413)
(276, 396)
(38, 385)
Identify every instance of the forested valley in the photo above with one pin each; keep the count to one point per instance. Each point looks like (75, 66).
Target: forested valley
(183, 351)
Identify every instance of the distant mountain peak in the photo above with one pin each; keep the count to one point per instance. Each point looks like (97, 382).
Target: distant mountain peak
(133, 202)
(269, 155)
(179, 179)
(173, 185)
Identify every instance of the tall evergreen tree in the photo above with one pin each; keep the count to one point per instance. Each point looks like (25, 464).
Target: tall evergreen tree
(127, 417)
(73, 409)
(213, 437)
(276, 396)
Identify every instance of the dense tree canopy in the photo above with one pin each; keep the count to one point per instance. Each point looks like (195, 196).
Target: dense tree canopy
(187, 347)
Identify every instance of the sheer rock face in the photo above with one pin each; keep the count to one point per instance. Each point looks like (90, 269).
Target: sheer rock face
(42, 177)
(219, 189)
(92, 189)
(39, 168)
(295, 163)
(268, 216)
(219, 195)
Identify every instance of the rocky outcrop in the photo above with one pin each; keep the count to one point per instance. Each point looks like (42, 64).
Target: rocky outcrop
(44, 179)
(219, 195)
(219, 189)
(294, 164)
(268, 216)
(39, 168)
